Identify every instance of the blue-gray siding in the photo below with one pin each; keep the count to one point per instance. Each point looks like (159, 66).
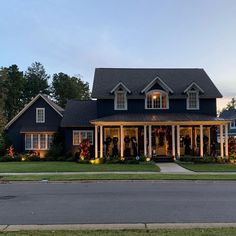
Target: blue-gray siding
(27, 121)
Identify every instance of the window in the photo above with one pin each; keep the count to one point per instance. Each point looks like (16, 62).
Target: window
(120, 100)
(38, 141)
(28, 142)
(193, 100)
(233, 124)
(40, 115)
(81, 135)
(157, 100)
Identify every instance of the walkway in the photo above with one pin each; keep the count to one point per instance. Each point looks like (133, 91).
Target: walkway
(171, 168)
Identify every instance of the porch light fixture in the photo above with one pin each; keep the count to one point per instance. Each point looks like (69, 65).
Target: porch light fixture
(154, 97)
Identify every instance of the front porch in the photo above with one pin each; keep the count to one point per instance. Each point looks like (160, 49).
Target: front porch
(155, 139)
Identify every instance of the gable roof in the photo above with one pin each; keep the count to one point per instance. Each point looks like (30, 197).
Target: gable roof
(118, 85)
(136, 79)
(57, 108)
(228, 114)
(79, 113)
(160, 82)
(193, 84)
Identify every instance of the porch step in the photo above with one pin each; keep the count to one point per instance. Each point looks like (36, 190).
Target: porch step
(163, 159)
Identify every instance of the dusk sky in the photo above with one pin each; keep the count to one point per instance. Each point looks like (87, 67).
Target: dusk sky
(75, 37)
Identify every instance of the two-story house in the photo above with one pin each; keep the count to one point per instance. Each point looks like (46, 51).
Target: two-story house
(151, 112)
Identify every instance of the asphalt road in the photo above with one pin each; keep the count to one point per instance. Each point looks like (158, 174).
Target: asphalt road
(118, 202)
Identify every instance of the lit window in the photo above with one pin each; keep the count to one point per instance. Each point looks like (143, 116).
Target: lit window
(157, 100)
(80, 135)
(38, 141)
(28, 144)
(193, 100)
(50, 140)
(233, 124)
(42, 141)
(40, 115)
(120, 100)
(35, 141)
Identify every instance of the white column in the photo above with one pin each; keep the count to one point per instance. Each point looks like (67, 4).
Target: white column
(145, 140)
(178, 141)
(173, 140)
(221, 141)
(226, 141)
(121, 141)
(101, 142)
(201, 141)
(150, 140)
(96, 141)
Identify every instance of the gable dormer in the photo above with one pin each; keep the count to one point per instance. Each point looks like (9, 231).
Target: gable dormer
(120, 101)
(157, 94)
(192, 92)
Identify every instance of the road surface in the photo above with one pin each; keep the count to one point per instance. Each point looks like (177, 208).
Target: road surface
(118, 202)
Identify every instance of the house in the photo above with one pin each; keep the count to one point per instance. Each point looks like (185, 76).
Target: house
(33, 127)
(150, 112)
(230, 115)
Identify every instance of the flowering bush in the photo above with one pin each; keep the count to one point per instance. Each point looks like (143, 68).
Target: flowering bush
(10, 151)
(84, 150)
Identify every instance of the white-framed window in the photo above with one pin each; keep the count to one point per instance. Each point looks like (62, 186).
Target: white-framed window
(40, 115)
(38, 141)
(120, 100)
(157, 99)
(233, 124)
(193, 100)
(81, 135)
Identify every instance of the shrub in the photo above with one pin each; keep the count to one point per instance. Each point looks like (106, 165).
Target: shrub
(30, 156)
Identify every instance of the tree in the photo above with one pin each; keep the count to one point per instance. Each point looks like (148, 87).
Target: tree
(2, 99)
(14, 85)
(65, 87)
(230, 106)
(36, 81)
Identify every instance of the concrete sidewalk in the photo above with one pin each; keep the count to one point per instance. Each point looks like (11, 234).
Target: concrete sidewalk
(138, 226)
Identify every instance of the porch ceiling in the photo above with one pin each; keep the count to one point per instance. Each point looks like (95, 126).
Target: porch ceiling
(160, 119)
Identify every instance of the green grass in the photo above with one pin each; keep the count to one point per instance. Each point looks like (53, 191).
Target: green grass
(21, 167)
(159, 232)
(205, 167)
(107, 177)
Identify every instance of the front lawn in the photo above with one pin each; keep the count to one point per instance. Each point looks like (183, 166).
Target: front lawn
(113, 177)
(21, 167)
(206, 167)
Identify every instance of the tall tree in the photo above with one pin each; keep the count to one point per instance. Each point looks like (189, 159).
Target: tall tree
(65, 87)
(2, 98)
(14, 83)
(231, 105)
(36, 81)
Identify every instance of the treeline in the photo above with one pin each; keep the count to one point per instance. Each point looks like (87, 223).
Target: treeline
(17, 88)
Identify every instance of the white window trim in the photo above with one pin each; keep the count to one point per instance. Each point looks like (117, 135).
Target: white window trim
(231, 126)
(187, 101)
(80, 131)
(161, 92)
(39, 141)
(115, 101)
(38, 109)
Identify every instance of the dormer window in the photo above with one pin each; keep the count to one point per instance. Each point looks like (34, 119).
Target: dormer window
(193, 100)
(120, 100)
(40, 115)
(157, 100)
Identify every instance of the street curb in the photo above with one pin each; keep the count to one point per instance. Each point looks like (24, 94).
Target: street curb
(138, 226)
